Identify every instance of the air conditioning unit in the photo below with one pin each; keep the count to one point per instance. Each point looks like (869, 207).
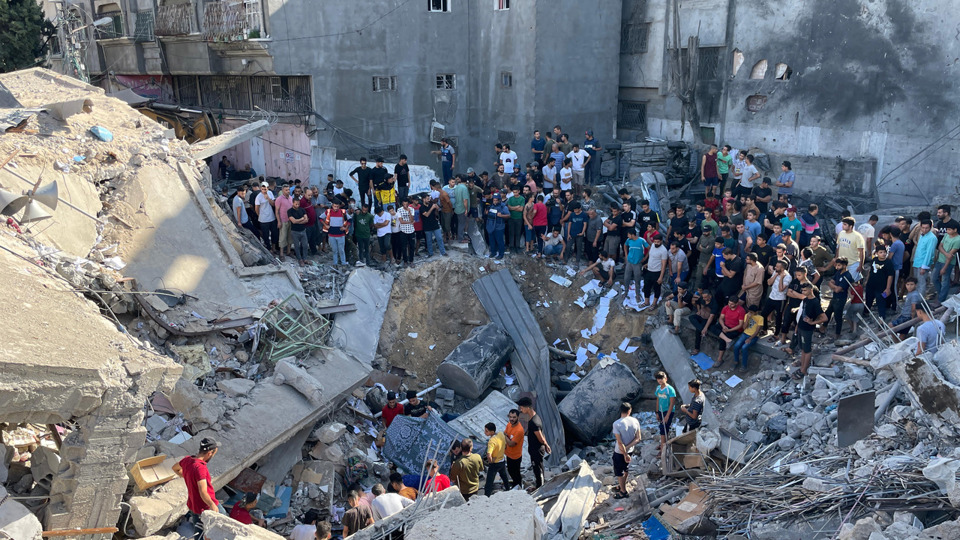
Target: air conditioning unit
(437, 132)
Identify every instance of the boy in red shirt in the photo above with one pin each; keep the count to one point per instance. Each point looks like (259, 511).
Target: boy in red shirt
(731, 324)
(391, 410)
(193, 469)
(241, 510)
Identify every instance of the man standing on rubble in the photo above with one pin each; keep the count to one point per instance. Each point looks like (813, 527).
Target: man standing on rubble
(193, 469)
(496, 463)
(416, 407)
(626, 430)
(513, 434)
(809, 316)
(537, 445)
(283, 204)
(465, 471)
(267, 217)
(357, 517)
(666, 400)
(391, 410)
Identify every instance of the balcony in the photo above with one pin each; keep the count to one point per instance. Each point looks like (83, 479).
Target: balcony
(233, 20)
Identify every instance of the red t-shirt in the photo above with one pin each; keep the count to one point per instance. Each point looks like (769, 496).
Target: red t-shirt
(389, 414)
(540, 215)
(195, 470)
(732, 317)
(443, 482)
(239, 513)
(417, 223)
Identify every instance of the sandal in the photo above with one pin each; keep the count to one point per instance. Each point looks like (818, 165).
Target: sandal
(621, 495)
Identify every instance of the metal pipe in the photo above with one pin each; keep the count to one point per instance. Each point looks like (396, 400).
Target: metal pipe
(419, 394)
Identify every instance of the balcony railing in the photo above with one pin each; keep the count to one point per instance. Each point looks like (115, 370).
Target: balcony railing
(233, 20)
(175, 20)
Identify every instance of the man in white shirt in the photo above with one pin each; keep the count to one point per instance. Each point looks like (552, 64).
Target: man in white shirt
(263, 205)
(579, 158)
(310, 529)
(627, 432)
(658, 261)
(509, 159)
(549, 174)
(387, 504)
(869, 232)
(566, 176)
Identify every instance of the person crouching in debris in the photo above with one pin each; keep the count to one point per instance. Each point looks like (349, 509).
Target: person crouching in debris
(397, 486)
(603, 269)
(693, 410)
(357, 517)
(626, 430)
(666, 399)
(200, 493)
(244, 509)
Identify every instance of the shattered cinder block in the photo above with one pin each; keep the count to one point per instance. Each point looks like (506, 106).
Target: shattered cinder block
(236, 387)
(220, 527)
(286, 372)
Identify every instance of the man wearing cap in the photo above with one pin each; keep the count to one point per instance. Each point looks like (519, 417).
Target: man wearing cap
(267, 217)
(391, 410)
(193, 469)
(416, 407)
(497, 214)
(593, 148)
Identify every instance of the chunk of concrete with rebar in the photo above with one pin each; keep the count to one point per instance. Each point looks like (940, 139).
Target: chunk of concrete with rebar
(288, 372)
(470, 368)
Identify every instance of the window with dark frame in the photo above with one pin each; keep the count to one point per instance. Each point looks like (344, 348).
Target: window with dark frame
(710, 60)
(144, 29)
(632, 115)
(633, 38)
(438, 6)
(385, 84)
(115, 28)
(446, 81)
(506, 79)
(502, 5)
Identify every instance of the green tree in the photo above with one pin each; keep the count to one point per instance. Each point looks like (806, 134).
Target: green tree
(24, 33)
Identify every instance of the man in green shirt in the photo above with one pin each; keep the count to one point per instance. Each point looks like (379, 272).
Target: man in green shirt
(724, 159)
(362, 226)
(465, 472)
(946, 258)
(461, 204)
(791, 223)
(515, 204)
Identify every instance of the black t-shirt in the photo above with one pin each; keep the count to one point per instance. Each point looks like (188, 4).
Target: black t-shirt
(402, 173)
(707, 308)
(631, 201)
(618, 221)
(252, 201)
(431, 222)
(762, 192)
(879, 272)
(812, 309)
(730, 285)
(696, 404)
(687, 298)
(773, 218)
(533, 426)
(297, 213)
(417, 410)
(645, 218)
(795, 287)
(379, 175)
(363, 175)
(765, 254)
(679, 224)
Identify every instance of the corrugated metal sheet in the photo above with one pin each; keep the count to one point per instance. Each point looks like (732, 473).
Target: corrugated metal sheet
(501, 297)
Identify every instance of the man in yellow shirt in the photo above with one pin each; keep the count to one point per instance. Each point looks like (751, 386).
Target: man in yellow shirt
(752, 325)
(496, 458)
(513, 434)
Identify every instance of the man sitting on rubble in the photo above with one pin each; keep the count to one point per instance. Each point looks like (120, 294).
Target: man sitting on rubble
(200, 493)
(626, 430)
(466, 470)
(387, 504)
(416, 407)
(391, 410)
(929, 333)
(357, 517)
(694, 409)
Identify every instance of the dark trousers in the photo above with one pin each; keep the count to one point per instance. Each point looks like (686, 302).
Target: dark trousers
(365, 196)
(698, 323)
(492, 471)
(539, 231)
(835, 310)
(402, 192)
(515, 227)
(409, 243)
(536, 463)
(270, 234)
(881, 301)
(593, 253)
(496, 243)
(650, 285)
(789, 318)
(775, 307)
(397, 244)
(363, 247)
(516, 478)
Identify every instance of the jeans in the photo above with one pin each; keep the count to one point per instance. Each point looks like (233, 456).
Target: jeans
(516, 477)
(632, 272)
(942, 282)
(741, 349)
(576, 248)
(300, 244)
(539, 231)
(437, 235)
(673, 282)
(363, 246)
(337, 244)
(552, 250)
(923, 280)
(402, 192)
(447, 173)
(492, 471)
(592, 170)
(461, 226)
(872, 294)
(270, 234)
(496, 243)
(698, 323)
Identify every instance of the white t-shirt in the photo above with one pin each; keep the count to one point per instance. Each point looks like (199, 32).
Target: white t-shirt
(866, 230)
(266, 214)
(566, 179)
(748, 172)
(549, 176)
(578, 158)
(658, 256)
(388, 504)
(607, 265)
(509, 160)
(628, 428)
(304, 532)
(775, 292)
(394, 222)
(382, 218)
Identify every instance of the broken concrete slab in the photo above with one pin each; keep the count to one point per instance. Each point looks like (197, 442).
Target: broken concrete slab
(408, 517)
(568, 515)
(594, 404)
(214, 145)
(369, 290)
(855, 416)
(287, 372)
(236, 387)
(220, 527)
(510, 515)
(16, 521)
(471, 367)
(676, 362)
(275, 465)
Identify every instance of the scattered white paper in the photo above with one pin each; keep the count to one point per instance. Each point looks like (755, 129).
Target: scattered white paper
(509, 379)
(356, 429)
(522, 273)
(579, 302)
(600, 319)
(556, 341)
(571, 272)
(614, 356)
(733, 381)
(591, 285)
(592, 348)
(573, 377)
(432, 347)
(631, 301)
(560, 280)
(414, 335)
(497, 262)
(585, 333)
(482, 269)
(630, 349)
(624, 343)
(611, 293)
(581, 356)
(545, 304)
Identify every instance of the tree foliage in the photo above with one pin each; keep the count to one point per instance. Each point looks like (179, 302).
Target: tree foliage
(24, 33)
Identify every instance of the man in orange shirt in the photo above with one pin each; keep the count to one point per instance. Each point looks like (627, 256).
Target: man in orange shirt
(514, 435)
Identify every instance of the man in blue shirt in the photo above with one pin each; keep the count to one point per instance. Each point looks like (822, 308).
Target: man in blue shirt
(536, 146)
(577, 230)
(497, 214)
(786, 180)
(634, 250)
(448, 159)
(923, 256)
(592, 146)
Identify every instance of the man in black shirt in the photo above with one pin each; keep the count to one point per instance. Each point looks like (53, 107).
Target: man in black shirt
(401, 174)
(627, 198)
(764, 253)
(613, 223)
(647, 216)
(763, 195)
(382, 182)
(677, 223)
(537, 444)
(811, 314)
(706, 311)
(732, 267)
(430, 217)
(415, 406)
(773, 217)
(880, 282)
(361, 175)
(298, 230)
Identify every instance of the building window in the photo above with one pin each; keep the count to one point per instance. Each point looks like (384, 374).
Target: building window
(253, 13)
(115, 28)
(446, 81)
(632, 115)
(385, 84)
(144, 30)
(438, 6)
(502, 5)
(709, 67)
(633, 38)
(506, 79)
